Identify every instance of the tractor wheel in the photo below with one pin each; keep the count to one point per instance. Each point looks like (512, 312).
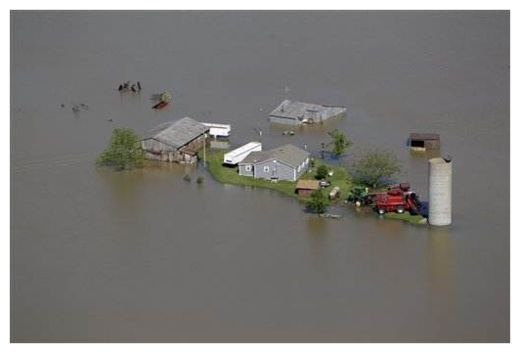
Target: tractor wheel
(400, 209)
(381, 211)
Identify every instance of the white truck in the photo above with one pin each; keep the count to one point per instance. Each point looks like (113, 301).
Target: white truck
(237, 155)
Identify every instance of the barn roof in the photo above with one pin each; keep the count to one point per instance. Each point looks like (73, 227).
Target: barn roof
(294, 109)
(288, 154)
(177, 133)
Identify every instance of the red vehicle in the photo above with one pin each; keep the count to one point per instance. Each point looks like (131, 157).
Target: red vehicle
(398, 198)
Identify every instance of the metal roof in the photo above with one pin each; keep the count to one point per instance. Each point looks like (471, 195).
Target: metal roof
(177, 133)
(294, 110)
(256, 156)
(288, 154)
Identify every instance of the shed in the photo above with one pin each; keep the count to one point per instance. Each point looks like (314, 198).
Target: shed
(175, 141)
(424, 141)
(295, 113)
(305, 188)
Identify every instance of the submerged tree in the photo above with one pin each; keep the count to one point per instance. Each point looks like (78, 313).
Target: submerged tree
(375, 168)
(318, 202)
(123, 151)
(340, 142)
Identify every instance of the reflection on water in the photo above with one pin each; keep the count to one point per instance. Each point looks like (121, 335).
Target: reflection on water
(441, 273)
(318, 241)
(424, 155)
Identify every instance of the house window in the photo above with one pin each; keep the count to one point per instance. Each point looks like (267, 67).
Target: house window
(248, 167)
(266, 168)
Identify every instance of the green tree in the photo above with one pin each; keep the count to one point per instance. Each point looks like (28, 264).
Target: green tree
(318, 202)
(322, 172)
(374, 168)
(340, 142)
(123, 151)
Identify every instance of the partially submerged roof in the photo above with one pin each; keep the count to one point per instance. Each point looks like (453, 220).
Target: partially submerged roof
(424, 136)
(294, 110)
(177, 133)
(308, 184)
(288, 154)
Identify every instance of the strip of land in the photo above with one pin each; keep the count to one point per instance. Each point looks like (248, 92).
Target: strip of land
(340, 178)
(229, 175)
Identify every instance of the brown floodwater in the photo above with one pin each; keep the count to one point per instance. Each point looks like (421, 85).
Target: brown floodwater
(144, 256)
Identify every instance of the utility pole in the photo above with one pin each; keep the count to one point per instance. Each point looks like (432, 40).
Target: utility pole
(204, 151)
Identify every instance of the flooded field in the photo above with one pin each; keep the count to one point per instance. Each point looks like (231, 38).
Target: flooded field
(144, 256)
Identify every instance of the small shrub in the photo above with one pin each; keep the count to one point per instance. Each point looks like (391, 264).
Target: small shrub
(322, 172)
(200, 180)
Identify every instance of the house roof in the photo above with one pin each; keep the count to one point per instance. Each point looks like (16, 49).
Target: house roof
(177, 133)
(308, 184)
(288, 154)
(424, 136)
(294, 110)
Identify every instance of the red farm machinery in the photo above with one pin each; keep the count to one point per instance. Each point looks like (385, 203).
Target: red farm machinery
(398, 198)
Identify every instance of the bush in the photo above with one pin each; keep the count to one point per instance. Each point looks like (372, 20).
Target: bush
(322, 172)
(375, 168)
(200, 180)
(123, 151)
(318, 202)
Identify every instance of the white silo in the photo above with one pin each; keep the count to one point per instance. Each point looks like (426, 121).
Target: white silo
(439, 190)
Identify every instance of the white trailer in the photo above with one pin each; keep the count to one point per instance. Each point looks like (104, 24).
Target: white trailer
(237, 155)
(218, 130)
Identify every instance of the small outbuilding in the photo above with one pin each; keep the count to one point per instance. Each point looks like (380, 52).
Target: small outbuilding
(424, 142)
(175, 141)
(296, 113)
(305, 188)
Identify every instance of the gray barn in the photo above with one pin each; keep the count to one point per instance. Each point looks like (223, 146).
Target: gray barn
(296, 113)
(283, 163)
(175, 141)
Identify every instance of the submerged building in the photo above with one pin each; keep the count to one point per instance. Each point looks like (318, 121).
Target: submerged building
(283, 163)
(296, 113)
(424, 141)
(175, 141)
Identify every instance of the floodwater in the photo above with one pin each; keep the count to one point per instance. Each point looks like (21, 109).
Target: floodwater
(144, 256)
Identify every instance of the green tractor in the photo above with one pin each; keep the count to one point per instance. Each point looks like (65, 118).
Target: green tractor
(359, 196)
